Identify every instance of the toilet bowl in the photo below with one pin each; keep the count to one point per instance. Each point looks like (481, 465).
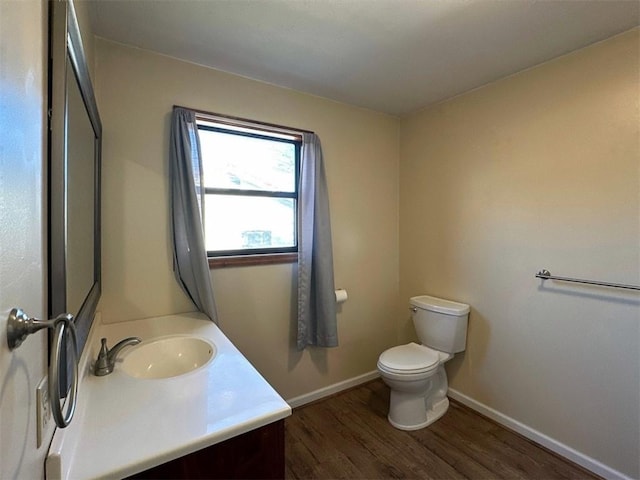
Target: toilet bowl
(415, 372)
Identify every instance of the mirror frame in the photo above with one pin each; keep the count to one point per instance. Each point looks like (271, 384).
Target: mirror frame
(65, 42)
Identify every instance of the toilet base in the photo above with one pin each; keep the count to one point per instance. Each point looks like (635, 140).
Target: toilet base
(399, 419)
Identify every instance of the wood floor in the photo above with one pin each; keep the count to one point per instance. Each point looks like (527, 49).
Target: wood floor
(348, 436)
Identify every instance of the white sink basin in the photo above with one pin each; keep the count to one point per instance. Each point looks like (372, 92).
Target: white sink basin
(166, 357)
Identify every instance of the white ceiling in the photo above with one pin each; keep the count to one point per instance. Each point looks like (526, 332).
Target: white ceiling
(394, 56)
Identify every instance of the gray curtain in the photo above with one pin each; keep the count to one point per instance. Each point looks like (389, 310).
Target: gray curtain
(317, 323)
(190, 263)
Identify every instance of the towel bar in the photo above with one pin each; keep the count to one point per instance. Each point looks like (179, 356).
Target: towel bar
(544, 274)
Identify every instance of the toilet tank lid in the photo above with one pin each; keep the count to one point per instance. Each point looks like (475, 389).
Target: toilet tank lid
(439, 305)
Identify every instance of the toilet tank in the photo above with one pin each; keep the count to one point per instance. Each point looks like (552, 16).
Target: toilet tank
(440, 324)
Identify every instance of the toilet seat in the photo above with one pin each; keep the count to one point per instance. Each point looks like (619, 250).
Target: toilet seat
(409, 359)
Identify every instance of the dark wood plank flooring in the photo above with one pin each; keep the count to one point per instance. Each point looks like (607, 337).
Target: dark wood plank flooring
(348, 436)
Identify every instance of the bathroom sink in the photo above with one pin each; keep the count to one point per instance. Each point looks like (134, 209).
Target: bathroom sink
(169, 356)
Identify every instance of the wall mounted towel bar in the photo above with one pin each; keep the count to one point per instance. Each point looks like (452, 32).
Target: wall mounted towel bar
(544, 274)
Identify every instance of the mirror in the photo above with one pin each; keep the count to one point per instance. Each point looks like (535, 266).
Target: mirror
(80, 201)
(74, 177)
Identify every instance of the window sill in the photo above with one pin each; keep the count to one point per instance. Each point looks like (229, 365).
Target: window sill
(249, 260)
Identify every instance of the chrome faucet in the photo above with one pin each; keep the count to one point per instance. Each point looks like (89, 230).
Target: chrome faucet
(107, 358)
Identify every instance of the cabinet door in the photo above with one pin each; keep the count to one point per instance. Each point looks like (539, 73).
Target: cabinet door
(258, 454)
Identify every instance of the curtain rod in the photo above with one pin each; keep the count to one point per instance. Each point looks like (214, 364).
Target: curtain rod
(230, 117)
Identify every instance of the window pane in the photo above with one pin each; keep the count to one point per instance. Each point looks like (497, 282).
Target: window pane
(236, 222)
(240, 162)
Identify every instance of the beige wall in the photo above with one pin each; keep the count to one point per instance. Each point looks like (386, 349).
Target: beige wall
(23, 41)
(136, 91)
(23, 270)
(539, 170)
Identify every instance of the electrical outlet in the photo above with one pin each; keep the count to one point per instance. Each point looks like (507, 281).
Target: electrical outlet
(43, 410)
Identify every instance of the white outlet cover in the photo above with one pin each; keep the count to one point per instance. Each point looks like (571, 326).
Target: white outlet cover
(43, 412)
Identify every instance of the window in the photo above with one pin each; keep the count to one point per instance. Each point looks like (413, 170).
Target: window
(250, 176)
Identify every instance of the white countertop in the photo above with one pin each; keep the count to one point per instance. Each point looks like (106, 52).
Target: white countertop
(124, 425)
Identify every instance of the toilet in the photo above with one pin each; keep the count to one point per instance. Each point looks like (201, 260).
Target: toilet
(415, 372)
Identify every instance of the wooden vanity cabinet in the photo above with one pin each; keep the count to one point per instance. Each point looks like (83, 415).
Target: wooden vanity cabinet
(258, 454)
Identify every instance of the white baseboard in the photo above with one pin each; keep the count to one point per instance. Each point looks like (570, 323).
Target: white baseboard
(331, 389)
(540, 438)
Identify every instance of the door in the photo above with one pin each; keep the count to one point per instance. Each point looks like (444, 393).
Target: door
(23, 43)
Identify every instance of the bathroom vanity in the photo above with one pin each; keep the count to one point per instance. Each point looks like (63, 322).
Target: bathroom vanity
(221, 420)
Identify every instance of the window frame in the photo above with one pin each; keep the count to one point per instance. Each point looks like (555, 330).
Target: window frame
(253, 129)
